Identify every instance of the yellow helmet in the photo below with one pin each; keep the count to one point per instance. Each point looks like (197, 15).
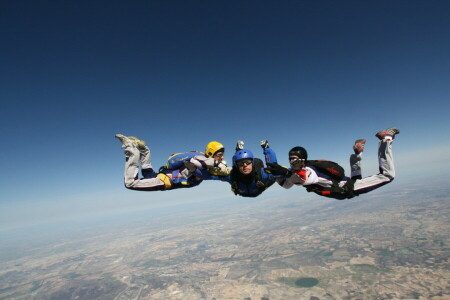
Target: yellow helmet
(212, 148)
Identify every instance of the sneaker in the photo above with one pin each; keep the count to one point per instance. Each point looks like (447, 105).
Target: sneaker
(140, 143)
(239, 145)
(126, 141)
(390, 132)
(265, 144)
(358, 147)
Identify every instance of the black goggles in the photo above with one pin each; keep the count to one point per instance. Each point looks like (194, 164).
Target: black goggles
(245, 162)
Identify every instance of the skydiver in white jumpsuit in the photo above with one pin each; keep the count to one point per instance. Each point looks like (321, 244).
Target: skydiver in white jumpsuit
(322, 184)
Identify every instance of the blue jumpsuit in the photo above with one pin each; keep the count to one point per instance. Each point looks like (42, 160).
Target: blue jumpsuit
(251, 185)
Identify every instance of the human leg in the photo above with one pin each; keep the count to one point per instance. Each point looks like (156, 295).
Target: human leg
(132, 161)
(355, 159)
(355, 166)
(385, 161)
(145, 158)
(146, 164)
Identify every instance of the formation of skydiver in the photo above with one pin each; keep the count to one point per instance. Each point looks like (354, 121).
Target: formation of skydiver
(249, 177)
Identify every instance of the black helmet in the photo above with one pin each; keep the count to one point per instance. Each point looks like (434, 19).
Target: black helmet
(300, 152)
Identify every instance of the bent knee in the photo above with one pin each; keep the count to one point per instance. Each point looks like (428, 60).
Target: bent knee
(390, 176)
(129, 183)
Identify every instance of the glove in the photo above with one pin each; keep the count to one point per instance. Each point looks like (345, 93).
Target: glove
(220, 169)
(239, 145)
(276, 169)
(264, 144)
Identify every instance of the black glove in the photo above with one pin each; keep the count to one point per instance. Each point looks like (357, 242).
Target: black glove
(276, 169)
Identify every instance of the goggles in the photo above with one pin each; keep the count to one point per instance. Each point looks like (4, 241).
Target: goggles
(296, 163)
(219, 154)
(295, 159)
(245, 162)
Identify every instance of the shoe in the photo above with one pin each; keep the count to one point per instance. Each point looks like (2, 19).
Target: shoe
(140, 143)
(358, 147)
(264, 144)
(126, 141)
(390, 132)
(239, 145)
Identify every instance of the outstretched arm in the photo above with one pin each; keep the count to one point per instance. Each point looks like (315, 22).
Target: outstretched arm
(269, 155)
(274, 168)
(208, 163)
(206, 175)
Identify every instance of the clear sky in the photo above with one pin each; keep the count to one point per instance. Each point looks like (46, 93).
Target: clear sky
(179, 74)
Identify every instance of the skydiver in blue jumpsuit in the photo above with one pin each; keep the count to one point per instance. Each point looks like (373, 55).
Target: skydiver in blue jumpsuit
(248, 177)
(137, 155)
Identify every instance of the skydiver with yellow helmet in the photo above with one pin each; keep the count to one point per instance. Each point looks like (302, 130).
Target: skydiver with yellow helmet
(177, 173)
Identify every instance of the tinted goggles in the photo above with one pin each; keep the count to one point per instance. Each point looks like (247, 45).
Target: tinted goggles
(244, 162)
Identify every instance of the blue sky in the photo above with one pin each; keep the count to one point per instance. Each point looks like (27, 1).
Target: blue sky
(179, 74)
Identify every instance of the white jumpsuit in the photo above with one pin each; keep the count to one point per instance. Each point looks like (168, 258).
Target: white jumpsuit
(309, 176)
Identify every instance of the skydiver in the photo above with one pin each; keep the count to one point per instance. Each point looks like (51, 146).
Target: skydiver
(323, 185)
(137, 154)
(248, 177)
